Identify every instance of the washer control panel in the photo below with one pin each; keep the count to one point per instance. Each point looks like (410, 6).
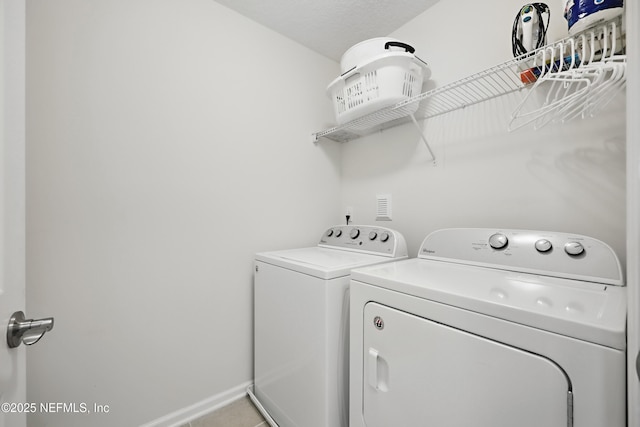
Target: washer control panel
(365, 238)
(540, 252)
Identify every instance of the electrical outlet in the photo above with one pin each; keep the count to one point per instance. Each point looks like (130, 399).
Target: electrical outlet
(349, 214)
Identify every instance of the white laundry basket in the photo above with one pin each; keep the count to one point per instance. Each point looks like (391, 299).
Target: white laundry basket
(365, 50)
(382, 81)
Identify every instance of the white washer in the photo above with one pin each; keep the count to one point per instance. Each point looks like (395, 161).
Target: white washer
(301, 324)
(490, 328)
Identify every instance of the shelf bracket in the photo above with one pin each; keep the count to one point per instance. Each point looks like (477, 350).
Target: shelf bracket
(426, 143)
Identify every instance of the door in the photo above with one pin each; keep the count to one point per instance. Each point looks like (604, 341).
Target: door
(633, 212)
(421, 373)
(12, 207)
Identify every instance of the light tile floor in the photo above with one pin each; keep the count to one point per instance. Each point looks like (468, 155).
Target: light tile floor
(241, 413)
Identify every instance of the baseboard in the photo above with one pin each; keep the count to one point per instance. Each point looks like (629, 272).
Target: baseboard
(256, 402)
(190, 413)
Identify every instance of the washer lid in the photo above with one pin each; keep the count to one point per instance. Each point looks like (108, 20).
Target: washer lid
(320, 262)
(587, 311)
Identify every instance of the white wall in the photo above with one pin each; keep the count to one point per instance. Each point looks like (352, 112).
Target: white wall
(562, 177)
(168, 141)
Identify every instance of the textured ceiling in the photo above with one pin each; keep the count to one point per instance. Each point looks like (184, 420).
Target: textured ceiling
(330, 27)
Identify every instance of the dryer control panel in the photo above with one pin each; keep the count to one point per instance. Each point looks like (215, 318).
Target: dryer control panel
(365, 238)
(547, 253)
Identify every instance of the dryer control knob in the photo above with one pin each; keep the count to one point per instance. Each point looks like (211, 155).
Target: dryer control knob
(354, 233)
(338, 233)
(384, 236)
(543, 245)
(498, 241)
(373, 235)
(330, 232)
(574, 248)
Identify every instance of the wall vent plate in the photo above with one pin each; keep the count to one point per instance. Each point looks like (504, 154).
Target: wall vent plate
(383, 207)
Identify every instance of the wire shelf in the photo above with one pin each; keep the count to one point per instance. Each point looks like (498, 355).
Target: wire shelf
(502, 79)
(487, 84)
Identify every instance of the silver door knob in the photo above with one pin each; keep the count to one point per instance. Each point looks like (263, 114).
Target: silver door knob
(28, 331)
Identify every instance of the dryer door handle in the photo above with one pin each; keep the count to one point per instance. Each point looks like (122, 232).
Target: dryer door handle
(373, 368)
(638, 365)
(378, 371)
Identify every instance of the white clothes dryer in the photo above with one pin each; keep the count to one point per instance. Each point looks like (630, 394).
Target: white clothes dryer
(301, 324)
(490, 328)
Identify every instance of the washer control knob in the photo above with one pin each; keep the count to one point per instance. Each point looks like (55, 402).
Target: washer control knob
(543, 245)
(338, 233)
(384, 236)
(498, 241)
(373, 235)
(329, 232)
(354, 233)
(574, 248)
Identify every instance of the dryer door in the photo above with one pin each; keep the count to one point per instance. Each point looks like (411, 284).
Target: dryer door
(421, 373)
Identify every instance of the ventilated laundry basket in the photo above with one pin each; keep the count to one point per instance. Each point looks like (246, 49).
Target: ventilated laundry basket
(365, 50)
(380, 82)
